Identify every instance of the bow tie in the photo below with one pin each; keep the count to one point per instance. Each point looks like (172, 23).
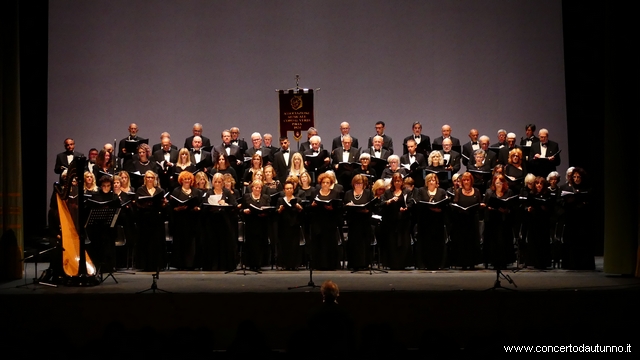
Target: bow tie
(285, 151)
(167, 151)
(543, 144)
(227, 145)
(474, 143)
(196, 151)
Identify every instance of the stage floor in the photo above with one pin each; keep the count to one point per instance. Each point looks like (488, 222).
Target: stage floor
(412, 310)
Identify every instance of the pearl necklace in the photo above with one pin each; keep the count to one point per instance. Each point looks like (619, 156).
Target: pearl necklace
(357, 197)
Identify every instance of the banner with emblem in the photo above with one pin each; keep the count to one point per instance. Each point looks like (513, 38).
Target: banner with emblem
(296, 111)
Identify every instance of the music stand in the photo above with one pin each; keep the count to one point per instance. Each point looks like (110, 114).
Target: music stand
(36, 280)
(104, 217)
(242, 267)
(497, 285)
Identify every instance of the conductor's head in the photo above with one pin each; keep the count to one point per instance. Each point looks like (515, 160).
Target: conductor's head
(329, 291)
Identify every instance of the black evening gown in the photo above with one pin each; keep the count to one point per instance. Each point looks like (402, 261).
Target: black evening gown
(578, 252)
(274, 190)
(151, 250)
(430, 247)
(184, 230)
(539, 236)
(497, 246)
(289, 235)
(323, 241)
(219, 237)
(256, 239)
(465, 235)
(395, 228)
(360, 236)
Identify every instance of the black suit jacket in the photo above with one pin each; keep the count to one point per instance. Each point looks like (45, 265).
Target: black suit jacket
(280, 166)
(453, 161)
(387, 143)
(336, 155)
(205, 156)
(542, 167)
(188, 142)
(159, 155)
(467, 150)
(425, 142)
(337, 142)
(158, 146)
(534, 139)
(61, 160)
(241, 144)
(306, 146)
(234, 150)
(266, 154)
(420, 159)
(384, 153)
(454, 141)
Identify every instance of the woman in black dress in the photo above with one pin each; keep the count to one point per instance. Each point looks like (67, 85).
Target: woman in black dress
(141, 165)
(360, 236)
(465, 235)
(219, 225)
(305, 190)
(497, 247)
(323, 218)
(125, 183)
(127, 221)
(255, 225)
(480, 169)
(151, 250)
(396, 221)
(104, 165)
(223, 166)
(289, 230)
(90, 186)
(183, 164)
(515, 170)
(394, 167)
(366, 170)
(540, 209)
(256, 165)
(184, 220)
(578, 230)
(435, 164)
(430, 247)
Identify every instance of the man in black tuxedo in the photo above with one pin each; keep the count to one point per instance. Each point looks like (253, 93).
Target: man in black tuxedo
(502, 139)
(158, 146)
(311, 132)
(503, 155)
(199, 156)
(258, 148)
(65, 158)
(529, 139)
(231, 149)
(282, 160)
(344, 130)
(545, 155)
(377, 150)
(491, 156)
(450, 157)
(91, 159)
(268, 143)
(235, 133)
(387, 141)
(169, 155)
(197, 131)
(446, 134)
(347, 154)
(323, 159)
(423, 142)
(413, 156)
(122, 149)
(470, 147)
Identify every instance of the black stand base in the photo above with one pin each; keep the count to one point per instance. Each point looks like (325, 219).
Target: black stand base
(497, 285)
(371, 270)
(154, 285)
(310, 284)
